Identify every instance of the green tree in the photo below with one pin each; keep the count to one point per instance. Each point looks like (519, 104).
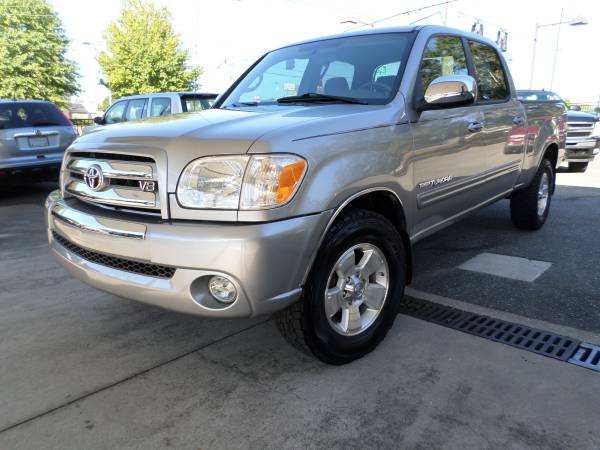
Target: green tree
(144, 54)
(103, 106)
(33, 45)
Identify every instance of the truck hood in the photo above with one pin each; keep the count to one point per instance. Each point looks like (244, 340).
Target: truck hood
(580, 116)
(181, 138)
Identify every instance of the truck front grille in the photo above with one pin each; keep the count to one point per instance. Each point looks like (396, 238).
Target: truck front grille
(579, 129)
(125, 181)
(127, 265)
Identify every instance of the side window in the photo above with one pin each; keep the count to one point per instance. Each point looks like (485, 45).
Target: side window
(340, 71)
(161, 106)
(135, 109)
(115, 113)
(491, 79)
(194, 104)
(444, 55)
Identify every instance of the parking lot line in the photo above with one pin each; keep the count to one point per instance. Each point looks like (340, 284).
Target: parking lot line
(512, 267)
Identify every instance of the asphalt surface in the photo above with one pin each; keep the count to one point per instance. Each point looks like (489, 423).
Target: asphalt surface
(568, 293)
(83, 369)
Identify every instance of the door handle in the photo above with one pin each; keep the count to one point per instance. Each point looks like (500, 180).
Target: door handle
(474, 127)
(518, 120)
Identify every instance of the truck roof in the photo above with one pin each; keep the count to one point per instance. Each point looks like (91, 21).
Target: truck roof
(404, 29)
(159, 94)
(21, 100)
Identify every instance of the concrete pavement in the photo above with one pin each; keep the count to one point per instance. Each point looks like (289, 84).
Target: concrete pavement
(83, 369)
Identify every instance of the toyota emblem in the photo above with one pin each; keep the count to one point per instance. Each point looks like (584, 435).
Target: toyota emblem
(94, 177)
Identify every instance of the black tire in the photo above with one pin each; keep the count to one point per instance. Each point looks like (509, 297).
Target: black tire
(578, 166)
(305, 324)
(524, 204)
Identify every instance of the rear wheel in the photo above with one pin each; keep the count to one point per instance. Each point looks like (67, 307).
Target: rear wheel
(353, 293)
(578, 166)
(529, 207)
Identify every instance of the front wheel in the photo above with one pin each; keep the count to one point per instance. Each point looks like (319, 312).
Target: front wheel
(578, 166)
(353, 293)
(529, 207)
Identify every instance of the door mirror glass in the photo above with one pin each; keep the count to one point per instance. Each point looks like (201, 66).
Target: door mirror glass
(450, 90)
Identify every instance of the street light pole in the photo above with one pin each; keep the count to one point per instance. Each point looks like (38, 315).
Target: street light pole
(573, 22)
(535, 37)
(556, 49)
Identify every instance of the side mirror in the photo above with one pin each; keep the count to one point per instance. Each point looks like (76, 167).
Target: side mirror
(450, 90)
(99, 120)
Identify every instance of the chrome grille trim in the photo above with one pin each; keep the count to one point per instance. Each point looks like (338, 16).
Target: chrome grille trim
(114, 195)
(114, 169)
(123, 179)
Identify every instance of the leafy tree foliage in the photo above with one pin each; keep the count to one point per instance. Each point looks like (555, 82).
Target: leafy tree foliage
(32, 53)
(103, 106)
(144, 53)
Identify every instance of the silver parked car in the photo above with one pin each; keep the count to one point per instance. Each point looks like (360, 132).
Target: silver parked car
(143, 106)
(33, 137)
(302, 191)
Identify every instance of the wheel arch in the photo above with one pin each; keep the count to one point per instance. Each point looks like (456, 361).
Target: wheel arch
(551, 153)
(381, 200)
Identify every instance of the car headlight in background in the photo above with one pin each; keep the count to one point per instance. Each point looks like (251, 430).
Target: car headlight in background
(244, 182)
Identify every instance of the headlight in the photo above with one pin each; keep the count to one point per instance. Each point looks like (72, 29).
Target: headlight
(271, 180)
(213, 182)
(232, 182)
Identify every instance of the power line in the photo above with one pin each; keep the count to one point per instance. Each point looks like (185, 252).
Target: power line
(403, 13)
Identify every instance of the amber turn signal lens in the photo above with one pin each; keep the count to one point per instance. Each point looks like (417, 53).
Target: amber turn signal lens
(289, 179)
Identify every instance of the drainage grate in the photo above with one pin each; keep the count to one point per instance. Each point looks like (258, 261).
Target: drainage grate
(509, 333)
(588, 356)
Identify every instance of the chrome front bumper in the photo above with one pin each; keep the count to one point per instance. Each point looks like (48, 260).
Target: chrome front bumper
(267, 262)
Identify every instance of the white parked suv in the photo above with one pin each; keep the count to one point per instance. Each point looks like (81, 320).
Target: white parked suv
(136, 107)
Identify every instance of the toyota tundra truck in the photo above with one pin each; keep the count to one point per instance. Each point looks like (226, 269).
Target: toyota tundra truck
(301, 192)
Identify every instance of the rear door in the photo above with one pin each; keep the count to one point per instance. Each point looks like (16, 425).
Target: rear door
(449, 146)
(504, 117)
(33, 129)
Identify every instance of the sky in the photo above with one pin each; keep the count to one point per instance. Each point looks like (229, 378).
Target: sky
(226, 36)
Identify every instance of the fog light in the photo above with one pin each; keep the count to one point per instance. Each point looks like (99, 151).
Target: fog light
(222, 289)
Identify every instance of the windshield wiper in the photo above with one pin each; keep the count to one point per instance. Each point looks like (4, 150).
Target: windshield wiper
(314, 97)
(235, 105)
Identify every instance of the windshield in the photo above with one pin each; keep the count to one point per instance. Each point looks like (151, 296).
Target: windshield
(366, 68)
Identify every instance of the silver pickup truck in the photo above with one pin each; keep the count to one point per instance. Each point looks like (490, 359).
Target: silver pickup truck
(303, 189)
